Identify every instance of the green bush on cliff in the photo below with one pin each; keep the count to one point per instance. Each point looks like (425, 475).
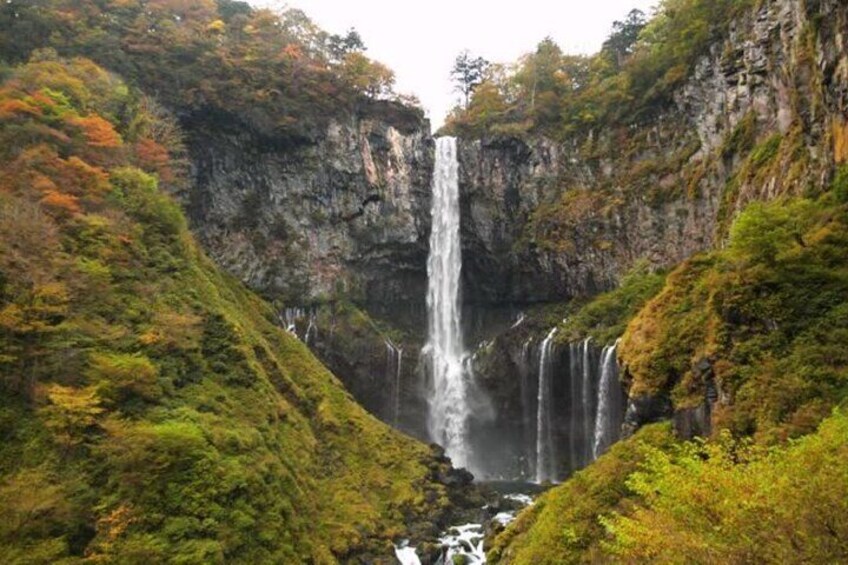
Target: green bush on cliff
(768, 313)
(605, 317)
(150, 409)
(563, 525)
(726, 502)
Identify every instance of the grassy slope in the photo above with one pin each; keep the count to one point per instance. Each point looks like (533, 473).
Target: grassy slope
(151, 410)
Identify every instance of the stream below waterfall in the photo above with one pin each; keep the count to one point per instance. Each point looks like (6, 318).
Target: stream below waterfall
(467, 541)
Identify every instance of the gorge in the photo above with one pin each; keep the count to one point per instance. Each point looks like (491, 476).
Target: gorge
(252, 309)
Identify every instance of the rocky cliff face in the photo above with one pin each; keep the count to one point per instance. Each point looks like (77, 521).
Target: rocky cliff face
(345, 213)
(320, 223)
(764, 115)
(545, 221)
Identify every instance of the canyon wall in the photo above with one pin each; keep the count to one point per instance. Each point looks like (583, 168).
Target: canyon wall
(545, 221)
(346, 214)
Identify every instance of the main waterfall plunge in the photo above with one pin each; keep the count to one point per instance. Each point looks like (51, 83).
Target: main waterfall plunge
(572, 402)
(448, 391)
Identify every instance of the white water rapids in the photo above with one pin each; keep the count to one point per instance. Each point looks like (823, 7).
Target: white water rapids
(448, 394)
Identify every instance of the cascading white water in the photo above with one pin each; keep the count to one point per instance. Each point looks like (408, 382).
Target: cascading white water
(545, 464)
(290, 318)
(607, 388)
(448, 397)
(588, 399)
(394, 362)
(577, 411)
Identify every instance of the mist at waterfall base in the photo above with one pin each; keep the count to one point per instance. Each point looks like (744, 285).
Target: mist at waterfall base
(572, 403)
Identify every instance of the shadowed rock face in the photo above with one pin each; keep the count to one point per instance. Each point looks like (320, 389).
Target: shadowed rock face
(344, 213)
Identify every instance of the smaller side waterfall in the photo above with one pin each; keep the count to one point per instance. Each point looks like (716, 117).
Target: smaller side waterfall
(294, 320)
(572, 405)
(610, 398)
(588, 380)
(394, 365)
(545, 459)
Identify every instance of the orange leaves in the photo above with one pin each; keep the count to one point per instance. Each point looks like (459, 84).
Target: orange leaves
(13, 108)
(61, 204)
(81, 178)
(153, 157)
(293, 51)
(98, 132)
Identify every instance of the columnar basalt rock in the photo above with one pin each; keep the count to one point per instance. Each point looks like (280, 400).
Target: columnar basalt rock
(545, 221)
(345, 213)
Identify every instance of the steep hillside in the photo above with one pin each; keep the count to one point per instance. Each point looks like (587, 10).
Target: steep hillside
(308, 176)
(151, 409)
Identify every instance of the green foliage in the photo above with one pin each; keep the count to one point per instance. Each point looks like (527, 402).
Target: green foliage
(725, 502)
(605, 317)
(742, 138)
(768, 313)
(633, 75)
(763, 233)
(840, 184)
(121, 377)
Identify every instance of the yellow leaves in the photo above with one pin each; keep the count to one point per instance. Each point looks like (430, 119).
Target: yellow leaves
(367, 76)
(293, 51)
(41, 310)
(839, 131)
(218, 26)
(174, 330)
(71, 411)
(114, 524)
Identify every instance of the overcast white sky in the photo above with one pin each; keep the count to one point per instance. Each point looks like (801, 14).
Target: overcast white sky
(419, 40)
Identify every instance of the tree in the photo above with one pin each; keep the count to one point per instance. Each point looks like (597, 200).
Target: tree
(70, 413)
(340, 46)
(366, 76)
(624, 36)
(468, 73)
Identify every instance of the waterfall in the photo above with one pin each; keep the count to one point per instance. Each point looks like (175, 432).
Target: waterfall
(607, 422)
(545, 463)
(528, 417)
(577, 412)
(394, 362)
(291, 317)
(588, 377)
(448, 394)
